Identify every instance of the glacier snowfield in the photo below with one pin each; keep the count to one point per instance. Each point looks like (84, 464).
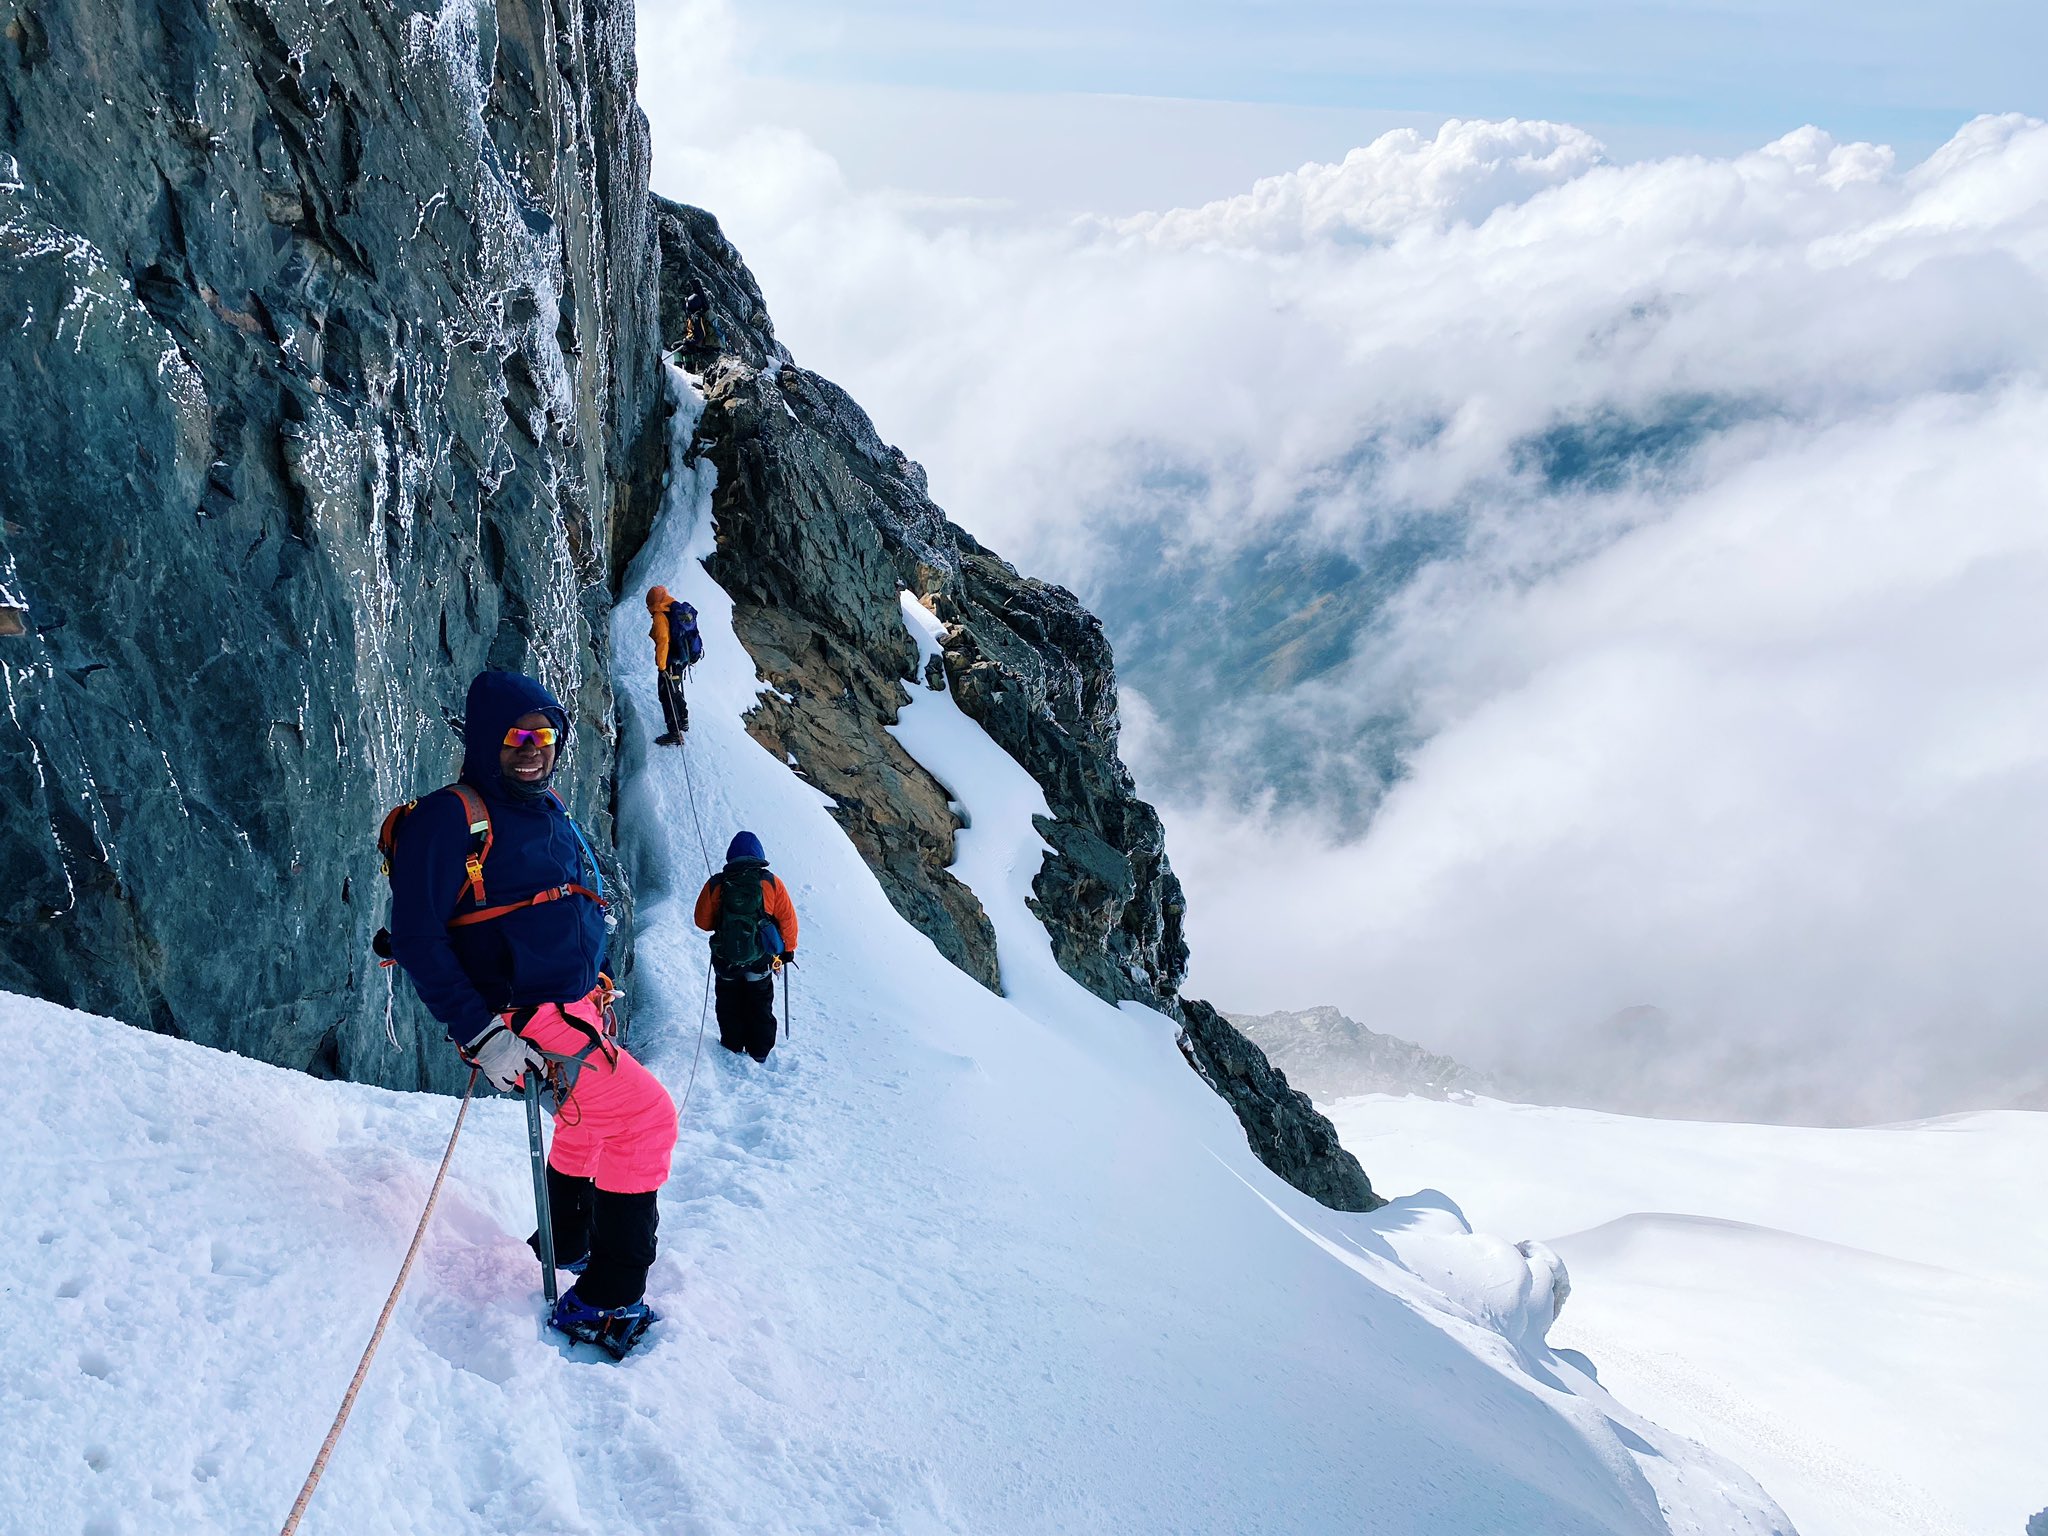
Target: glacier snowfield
(1859, 1318)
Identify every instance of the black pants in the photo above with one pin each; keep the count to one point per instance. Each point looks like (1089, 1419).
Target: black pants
(615, 1231)
(746, 1015)
(675, 710)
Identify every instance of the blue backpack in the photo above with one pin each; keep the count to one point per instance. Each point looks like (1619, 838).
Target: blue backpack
(685, 643)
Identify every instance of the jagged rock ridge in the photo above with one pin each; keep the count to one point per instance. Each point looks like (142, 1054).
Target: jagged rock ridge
(327, 376)
(820, 525)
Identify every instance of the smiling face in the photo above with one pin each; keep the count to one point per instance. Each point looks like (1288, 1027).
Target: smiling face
(533, 763)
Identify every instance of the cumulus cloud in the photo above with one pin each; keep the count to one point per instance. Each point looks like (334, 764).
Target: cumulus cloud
(1555, 587)
(1400, 181)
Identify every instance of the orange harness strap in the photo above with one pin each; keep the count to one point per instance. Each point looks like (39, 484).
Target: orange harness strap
(552, 893)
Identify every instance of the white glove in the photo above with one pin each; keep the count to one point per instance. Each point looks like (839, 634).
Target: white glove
(504, 1057)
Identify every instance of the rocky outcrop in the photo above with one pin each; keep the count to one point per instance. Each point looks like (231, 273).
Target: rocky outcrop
(1330, 1057)
(327, 377)
(820, 526)
(1303, 1144)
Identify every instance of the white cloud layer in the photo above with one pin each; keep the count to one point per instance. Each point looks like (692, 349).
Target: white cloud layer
(1400, 181)
(1742, 718)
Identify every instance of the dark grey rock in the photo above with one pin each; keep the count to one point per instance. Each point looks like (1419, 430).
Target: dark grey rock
(327, 345)
(1287, 1132)
(1330, 1057)
(820, 525)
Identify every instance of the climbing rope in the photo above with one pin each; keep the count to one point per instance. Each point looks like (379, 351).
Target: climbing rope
(348, 1400)
(702, 1013)
(704, 852)
(690, 784)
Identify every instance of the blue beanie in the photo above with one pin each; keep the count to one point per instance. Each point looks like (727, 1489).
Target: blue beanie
(745, 846)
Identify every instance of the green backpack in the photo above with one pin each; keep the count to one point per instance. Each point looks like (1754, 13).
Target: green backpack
(736, 942)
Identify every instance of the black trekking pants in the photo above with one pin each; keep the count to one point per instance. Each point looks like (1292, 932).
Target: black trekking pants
(675, 710)
(746, 1015)
(615, 1232)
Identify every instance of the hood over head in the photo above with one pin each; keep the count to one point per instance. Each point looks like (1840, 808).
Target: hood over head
(496, 699)
(745, 846)
(658, 599)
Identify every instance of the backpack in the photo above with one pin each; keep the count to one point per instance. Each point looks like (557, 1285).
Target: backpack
(746, 938)
(685, 644)
(480, 839)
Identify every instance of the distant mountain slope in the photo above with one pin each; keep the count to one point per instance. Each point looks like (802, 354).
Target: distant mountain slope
(1330, 1057)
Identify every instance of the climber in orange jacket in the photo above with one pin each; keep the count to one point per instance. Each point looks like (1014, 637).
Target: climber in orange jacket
(752, 923)
(678, 646)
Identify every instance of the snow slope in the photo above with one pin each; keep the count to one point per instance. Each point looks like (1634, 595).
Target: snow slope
(947, 1263)
(1859, 1317)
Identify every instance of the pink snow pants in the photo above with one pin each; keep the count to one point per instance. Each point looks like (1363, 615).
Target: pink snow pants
(617, 1127)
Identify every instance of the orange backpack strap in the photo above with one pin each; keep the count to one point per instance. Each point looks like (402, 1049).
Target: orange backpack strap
(387, 835)
(478, 816)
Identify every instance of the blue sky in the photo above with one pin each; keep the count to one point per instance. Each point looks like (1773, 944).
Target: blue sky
(1193, 97)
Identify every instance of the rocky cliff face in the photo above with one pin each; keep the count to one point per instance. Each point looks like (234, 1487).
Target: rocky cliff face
(820, 525)
(327, 377)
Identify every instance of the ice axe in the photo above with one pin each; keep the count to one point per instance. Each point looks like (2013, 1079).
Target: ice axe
(542, 1215)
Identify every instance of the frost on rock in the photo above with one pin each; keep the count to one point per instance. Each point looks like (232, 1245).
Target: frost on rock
(328, 363)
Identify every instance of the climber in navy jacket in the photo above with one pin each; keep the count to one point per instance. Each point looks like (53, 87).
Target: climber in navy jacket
(548, 953)
(504, 938)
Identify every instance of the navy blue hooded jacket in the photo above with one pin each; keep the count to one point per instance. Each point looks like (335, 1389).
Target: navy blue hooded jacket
(544, 954)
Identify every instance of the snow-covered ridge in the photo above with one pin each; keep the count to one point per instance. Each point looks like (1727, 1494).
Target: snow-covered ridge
(949, 1262)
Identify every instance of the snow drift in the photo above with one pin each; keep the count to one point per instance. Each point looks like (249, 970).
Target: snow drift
(1859, 1316)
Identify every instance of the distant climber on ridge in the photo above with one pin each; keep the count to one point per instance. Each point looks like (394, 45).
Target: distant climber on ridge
(497, 915)
(678, 646)
(752, 923)
(700, 331)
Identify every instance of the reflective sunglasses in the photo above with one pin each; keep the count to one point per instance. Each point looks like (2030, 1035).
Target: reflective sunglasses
(544, 737)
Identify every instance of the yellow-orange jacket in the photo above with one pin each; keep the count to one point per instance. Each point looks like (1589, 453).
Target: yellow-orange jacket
(657, 606)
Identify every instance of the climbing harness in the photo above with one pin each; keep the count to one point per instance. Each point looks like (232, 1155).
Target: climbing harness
(355, 1385)
(562, 1068)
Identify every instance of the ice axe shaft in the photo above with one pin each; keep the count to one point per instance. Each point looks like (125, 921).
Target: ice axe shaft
(543, 1216)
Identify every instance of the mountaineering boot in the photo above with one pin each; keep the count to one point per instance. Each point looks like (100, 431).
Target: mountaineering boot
(615, 1330)
(575, 1266)
(668, 739)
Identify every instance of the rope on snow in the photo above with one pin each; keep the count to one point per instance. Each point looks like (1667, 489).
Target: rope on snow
(704, 850)
(348, 1400)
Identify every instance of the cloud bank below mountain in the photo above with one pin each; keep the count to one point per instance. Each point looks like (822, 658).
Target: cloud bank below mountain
(1549, 587)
